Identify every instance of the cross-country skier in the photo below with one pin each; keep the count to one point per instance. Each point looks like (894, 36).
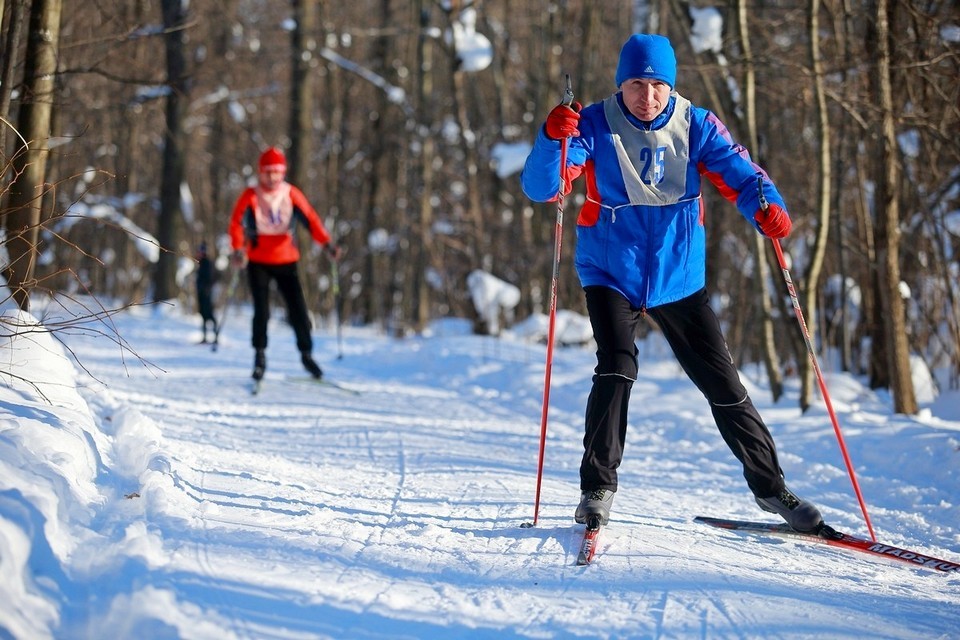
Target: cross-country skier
(641, 250)
(262, 235)
(206, 277)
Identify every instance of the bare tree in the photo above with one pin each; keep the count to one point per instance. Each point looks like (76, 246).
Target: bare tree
(890, 360)
(822, 188)
(170, 220)
(22, 216)
(420, 290)
(771, 358)
(302, 64)
(12, 27)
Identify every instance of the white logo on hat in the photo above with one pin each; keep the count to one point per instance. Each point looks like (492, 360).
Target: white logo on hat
(649, 69)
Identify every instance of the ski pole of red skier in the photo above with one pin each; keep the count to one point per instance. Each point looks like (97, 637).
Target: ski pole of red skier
(816, 368)
(551, 329)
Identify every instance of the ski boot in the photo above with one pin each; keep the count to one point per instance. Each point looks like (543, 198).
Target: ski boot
(310, 365)
(592, 504)
(800, 514)
(259, 364)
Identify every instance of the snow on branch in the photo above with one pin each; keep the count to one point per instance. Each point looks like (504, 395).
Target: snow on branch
(491, 296)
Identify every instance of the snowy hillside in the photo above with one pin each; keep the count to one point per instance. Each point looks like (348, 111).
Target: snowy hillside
(164, 501)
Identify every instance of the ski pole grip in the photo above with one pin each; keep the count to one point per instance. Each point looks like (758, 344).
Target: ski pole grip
(763, 198)
(567, 93)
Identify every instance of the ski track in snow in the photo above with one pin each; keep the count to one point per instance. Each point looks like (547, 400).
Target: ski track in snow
(309, 512)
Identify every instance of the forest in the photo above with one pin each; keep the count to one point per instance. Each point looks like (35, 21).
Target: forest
(129, 127)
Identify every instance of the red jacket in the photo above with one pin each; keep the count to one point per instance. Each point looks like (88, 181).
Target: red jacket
(264, 223)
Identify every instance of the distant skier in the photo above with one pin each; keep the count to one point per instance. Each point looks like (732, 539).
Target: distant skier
(262, 235)
(641, 251)
(206, 277)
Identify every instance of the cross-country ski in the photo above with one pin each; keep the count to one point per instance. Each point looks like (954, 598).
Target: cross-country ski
(830, 536)
(591, 538)
(324, 382)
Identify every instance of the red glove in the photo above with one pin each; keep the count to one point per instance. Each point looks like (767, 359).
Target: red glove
(774, 222)
(562, 121)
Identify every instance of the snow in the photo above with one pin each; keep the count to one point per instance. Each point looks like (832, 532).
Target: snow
(492, 297)
(508, 158)
(706, 32)
(950, 32)
(474, 50)
(144, 493)
(110, 209)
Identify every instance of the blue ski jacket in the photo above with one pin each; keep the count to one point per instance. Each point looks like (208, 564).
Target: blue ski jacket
(641, 229)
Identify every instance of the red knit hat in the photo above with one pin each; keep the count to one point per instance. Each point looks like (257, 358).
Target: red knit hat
(273, 160)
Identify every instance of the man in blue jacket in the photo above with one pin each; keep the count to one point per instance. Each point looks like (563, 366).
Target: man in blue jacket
(641, 250)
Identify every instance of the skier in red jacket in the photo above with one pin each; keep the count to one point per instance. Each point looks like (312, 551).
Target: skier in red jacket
(262, 235)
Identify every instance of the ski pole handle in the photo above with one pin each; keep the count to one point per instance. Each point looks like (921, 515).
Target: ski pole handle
(567, 93)
(567, 100)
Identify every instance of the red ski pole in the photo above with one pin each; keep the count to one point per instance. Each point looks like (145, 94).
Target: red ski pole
(816, 368)
(551, 330)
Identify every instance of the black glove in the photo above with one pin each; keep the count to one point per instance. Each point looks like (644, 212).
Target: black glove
(334, 251)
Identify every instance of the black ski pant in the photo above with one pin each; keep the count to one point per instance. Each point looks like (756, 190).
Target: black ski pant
(205, 307)
(692, 330)
(288, 284)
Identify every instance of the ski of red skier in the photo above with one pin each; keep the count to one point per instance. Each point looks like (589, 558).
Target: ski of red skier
(324, 382)
(257, 384)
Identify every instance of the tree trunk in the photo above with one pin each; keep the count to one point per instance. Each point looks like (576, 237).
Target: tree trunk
(23, 214)
(765, 292)
(302, 61)
(218, 140)
(422, 262)
(334, 102)
(375, 282)
(887, 210)
(170, 221)
(810, 286)
(846, 146)
(12, 28)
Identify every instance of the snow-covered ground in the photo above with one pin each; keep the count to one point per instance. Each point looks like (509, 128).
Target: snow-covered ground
(159, 499)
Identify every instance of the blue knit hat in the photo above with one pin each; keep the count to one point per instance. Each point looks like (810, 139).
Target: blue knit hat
(647, 56)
